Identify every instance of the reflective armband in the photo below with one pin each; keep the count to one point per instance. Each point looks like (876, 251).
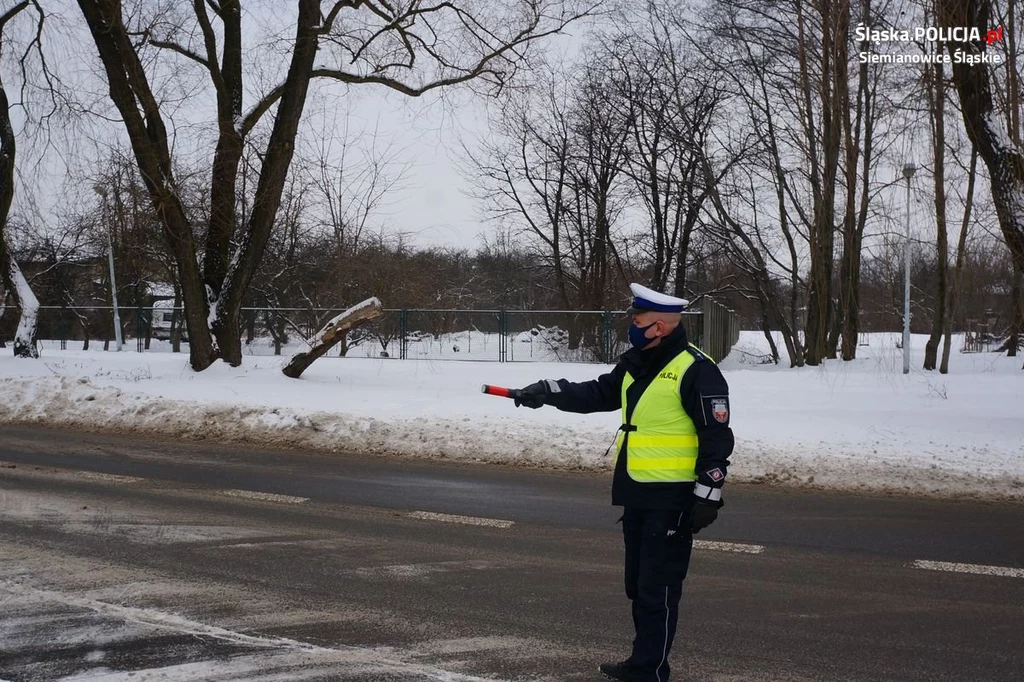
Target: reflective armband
(706, 492)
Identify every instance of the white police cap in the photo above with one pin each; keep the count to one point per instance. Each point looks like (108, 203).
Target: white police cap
(645, 299)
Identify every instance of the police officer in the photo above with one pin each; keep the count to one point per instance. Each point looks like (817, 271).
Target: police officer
(672, 454)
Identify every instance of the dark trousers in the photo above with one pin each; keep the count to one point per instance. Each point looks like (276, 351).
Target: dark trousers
(658, 545)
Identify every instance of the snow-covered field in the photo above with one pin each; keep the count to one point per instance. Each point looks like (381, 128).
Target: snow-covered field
(861, 425)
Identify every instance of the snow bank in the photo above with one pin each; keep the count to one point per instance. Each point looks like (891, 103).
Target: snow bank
(852, 426)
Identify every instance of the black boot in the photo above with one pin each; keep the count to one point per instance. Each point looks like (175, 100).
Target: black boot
(622, 671)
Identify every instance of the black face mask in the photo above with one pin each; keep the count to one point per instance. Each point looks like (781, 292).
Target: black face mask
(636, 335)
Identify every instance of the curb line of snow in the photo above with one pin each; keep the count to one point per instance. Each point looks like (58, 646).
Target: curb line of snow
(78, 403)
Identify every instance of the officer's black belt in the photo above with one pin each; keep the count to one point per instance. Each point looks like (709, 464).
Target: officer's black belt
(627, 427)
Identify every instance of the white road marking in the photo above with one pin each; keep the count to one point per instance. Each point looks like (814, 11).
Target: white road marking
(323, 542)
(280, 654)
(91, 475)
(468, 520)
(728, 547)
(413, 571)
(107, 478)
(265, 497)
(976, 569)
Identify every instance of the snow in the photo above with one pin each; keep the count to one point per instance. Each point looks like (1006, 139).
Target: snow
(1002, 140)
(160, 289)
(318, 338)
(29, 308)
(861, 425)
(212, 316)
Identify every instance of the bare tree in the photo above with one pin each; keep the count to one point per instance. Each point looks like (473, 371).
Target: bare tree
(953, 299)
(598, 160)
(522, 177)
(556, 173)
(863, 145)
(935, 96)
(411, 48)
(824, 93)
(985, 126)
(14, 282)
(814, 121)
(352, 175)
(671, 100)
(1007, 97)
(284, 279)
(759, 208)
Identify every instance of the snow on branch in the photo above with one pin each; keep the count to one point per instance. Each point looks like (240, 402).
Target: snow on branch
(332, 333)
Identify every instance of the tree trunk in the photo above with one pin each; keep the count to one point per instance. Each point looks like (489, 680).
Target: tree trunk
(250, 327)
(269, 188)
(850, 261)
(1013, 103)
(1016, 314)
(82, 321)
(850, 281)
(766, 329)
(1004, 158)
(176, 323)
(953, 300)
(10, 274)
(692, 214)
(28, 304)
(332, 333)
(140, 112)
(937, 111)
(833, 74)
(228, 153)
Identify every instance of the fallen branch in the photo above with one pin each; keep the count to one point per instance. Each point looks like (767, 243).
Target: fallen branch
(331, 334)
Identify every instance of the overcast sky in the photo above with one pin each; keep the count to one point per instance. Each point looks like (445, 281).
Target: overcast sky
(431, 206)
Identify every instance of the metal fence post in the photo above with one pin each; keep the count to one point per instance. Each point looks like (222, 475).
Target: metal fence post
(606, 340)
(403, 336)
(140, 329)
(502, 336)
(62, 327)
(712, 329)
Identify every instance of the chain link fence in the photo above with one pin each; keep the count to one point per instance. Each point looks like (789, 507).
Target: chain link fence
(435, 334)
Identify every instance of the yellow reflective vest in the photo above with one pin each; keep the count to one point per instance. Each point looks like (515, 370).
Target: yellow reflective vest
(661, 439)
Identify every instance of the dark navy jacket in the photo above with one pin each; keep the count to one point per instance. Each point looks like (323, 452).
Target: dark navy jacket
(704, 395)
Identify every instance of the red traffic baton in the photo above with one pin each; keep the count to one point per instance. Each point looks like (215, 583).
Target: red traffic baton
(501, 391)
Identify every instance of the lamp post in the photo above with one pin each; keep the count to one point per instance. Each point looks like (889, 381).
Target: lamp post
(908, 172)
(102, 191)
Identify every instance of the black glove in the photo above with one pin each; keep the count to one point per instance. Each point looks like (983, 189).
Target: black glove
(533, 396)
(704, 514)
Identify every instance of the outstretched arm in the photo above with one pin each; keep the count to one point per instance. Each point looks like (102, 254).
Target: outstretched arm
(602, 394)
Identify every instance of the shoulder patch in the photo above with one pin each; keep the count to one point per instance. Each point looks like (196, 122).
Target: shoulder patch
(720, 409)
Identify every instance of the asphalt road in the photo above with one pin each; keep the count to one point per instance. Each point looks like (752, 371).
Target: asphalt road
(129, 559)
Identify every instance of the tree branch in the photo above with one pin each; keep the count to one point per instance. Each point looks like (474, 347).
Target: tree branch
(483, 66)
(175, 47)
(11, 13)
